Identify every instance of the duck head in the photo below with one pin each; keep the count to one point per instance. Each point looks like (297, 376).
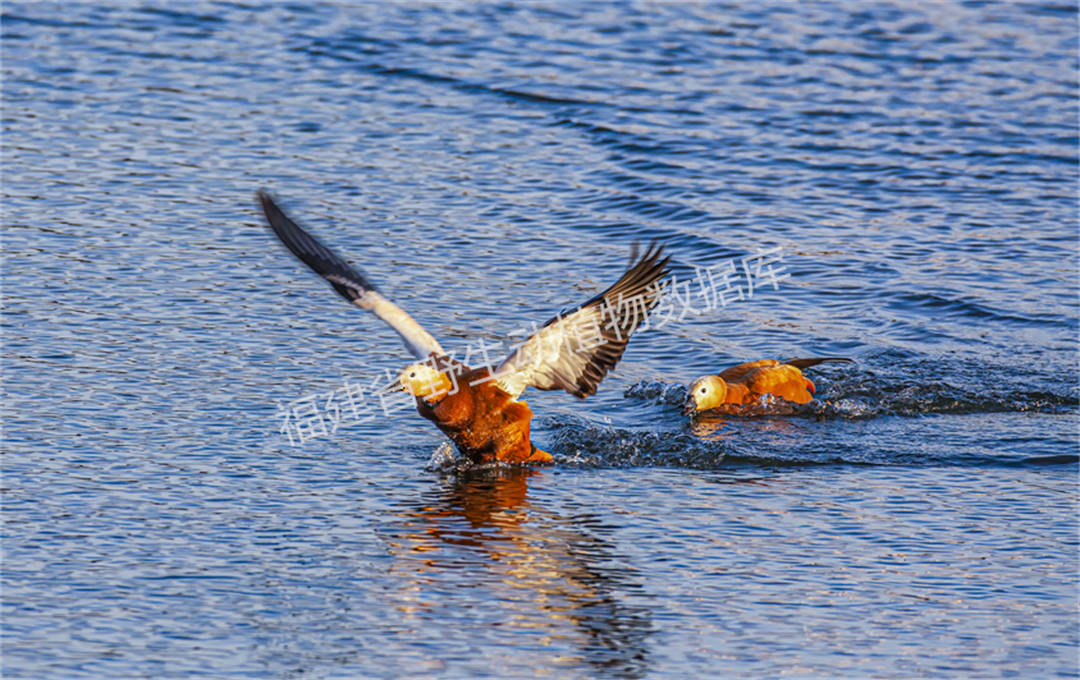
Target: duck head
(424, 381)
(705, 393)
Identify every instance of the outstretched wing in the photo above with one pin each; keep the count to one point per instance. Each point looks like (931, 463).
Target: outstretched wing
(347, 281)
(574, 351)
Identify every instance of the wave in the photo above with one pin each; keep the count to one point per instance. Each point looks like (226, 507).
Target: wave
(776, 434)
(868, 394)
(711, 443)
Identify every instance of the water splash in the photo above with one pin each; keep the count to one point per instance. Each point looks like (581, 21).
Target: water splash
(581, 443)
(909, 390)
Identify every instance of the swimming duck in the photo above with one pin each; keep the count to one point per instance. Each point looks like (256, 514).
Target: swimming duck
(747, 383)
(479, 409)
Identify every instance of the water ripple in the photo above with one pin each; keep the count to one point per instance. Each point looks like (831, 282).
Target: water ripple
(488, 165)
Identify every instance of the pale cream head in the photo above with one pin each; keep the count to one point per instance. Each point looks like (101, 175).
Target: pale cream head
(705, 393)
(421, 380)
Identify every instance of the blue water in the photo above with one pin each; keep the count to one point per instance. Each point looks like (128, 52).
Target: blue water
(487, 165)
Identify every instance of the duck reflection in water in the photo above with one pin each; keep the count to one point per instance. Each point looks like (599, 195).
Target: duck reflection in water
(720, 426)
(477, 548)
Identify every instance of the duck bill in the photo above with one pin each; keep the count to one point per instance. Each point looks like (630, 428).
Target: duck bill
(689, 407)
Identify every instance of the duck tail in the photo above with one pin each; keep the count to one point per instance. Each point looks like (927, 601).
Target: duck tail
(538, 456)
(807, 363)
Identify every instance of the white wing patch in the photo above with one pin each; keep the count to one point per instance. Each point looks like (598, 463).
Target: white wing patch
(572, 352)
(575, 352)
(349, 283)
(419, 341)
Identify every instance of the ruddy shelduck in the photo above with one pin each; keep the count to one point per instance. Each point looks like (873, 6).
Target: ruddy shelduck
(745, 384)
(479, 409)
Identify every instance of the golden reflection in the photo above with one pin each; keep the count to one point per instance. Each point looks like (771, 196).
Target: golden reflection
(523, 568)
(717, 427)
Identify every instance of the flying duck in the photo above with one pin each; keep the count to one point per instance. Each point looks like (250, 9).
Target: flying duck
(746, 383)
(479, 409)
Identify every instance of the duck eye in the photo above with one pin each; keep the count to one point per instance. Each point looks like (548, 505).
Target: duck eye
(702, 390)
(413, 374)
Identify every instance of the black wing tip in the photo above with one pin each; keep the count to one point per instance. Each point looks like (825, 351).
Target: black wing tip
(641, 274)
(275, 216)
(266, 201)
(652, 253)
(649, 269)
(814, 361)
(280, 223)
(349, 283)
(653, 265)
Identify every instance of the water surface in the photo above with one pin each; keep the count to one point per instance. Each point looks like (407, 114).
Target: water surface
(486, 166)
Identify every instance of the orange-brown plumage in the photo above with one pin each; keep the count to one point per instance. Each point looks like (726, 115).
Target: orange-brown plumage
(747, 383)
(479, 408)
(483, 421)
